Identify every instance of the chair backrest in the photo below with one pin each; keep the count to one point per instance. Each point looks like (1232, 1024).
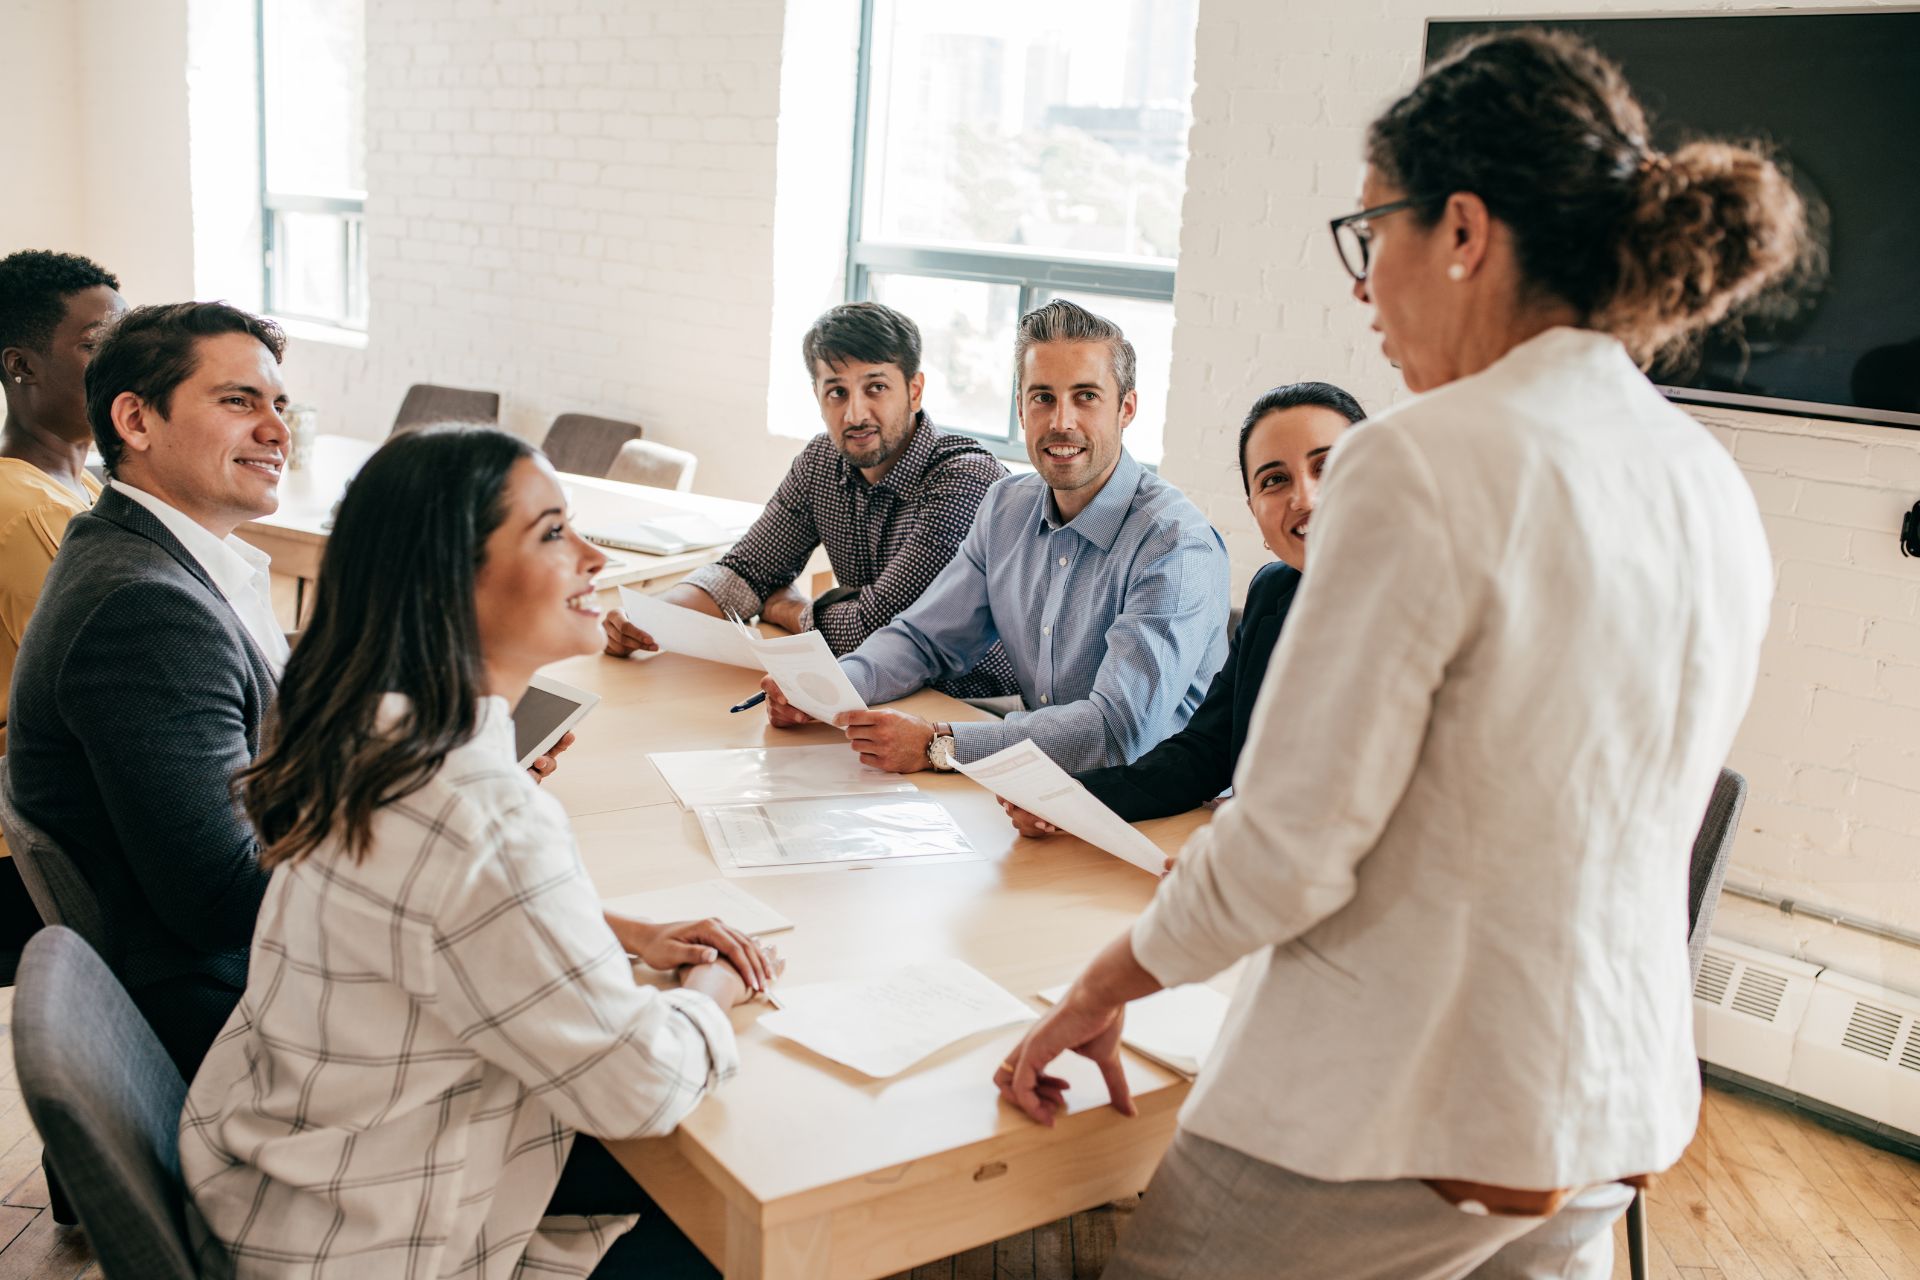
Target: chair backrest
(60, 892)
(586, 445)
(106, 1099)
(659, 465)
(426, 404)
(1708, 869)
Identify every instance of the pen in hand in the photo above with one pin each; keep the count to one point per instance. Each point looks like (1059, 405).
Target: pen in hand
(754, 701)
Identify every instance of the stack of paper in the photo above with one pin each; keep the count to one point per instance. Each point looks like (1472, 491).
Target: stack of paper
(1176, 1028)
(881, 1026)
(701, 779)
(804, 667)
(1028, 777)
(701, 900)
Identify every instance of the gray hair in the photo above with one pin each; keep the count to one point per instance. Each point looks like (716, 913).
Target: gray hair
(1063, 321)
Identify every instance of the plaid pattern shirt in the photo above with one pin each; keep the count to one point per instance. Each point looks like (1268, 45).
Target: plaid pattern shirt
(422, 1034)
(886, 541)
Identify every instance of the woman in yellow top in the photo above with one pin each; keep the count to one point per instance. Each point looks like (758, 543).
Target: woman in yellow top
(52, 308)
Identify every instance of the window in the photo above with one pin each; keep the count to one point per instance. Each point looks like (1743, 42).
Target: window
(1007, 152)
(313, 159)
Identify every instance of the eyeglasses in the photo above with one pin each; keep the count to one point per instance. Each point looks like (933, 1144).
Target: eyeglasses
(1353, 234)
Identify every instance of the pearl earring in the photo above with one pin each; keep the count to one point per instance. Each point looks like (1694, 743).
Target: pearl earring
(1458, 271)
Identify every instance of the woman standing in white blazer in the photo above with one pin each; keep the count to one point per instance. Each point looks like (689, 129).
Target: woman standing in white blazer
(1531, 633)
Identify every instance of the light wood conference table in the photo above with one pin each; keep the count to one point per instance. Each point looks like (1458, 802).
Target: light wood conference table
(800, 1167)
(295, 536)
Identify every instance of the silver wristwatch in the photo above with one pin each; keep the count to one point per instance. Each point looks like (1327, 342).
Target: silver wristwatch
(940, 748)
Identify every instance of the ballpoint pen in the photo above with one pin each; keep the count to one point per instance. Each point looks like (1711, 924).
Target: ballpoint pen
(754, 701)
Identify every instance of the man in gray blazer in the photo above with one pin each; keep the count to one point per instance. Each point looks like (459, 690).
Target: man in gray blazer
(147, 670)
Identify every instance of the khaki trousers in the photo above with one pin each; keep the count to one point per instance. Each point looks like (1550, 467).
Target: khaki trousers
(1213, 1213)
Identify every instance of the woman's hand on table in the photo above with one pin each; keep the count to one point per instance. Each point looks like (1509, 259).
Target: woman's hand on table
(675, 945)
(1087, 1021)
(720, 982)
(781, 714)
(1082, 1024)
(1026, 823)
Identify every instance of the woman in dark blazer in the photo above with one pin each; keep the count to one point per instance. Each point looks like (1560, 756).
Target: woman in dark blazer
(1283, 449)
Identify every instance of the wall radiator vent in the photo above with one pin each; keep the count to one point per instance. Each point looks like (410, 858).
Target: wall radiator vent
(1760, 993)
(1716, 973)
(1859, 1049)
(1872, 1031)
(1747, 1005)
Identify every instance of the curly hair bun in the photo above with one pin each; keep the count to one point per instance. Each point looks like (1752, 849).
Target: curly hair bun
(1715, 225)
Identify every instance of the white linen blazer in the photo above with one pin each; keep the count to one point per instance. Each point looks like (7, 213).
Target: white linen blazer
(1458, 849)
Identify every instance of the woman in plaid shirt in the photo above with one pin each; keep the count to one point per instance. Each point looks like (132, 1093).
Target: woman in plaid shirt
(436, 1004)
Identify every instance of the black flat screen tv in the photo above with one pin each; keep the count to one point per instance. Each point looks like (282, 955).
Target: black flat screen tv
(1837, 94)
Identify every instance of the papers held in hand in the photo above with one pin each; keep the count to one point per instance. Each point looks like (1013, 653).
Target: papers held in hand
(881, 1026)
(688, 631)
(1028, 777)
(802, 665)
(1176, 1028)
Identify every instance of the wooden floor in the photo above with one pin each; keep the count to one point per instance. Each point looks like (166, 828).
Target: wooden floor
(1763, 1194)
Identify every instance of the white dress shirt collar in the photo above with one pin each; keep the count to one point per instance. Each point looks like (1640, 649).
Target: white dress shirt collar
(239, 570)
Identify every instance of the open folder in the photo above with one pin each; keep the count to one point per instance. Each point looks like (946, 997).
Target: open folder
(1027, 776)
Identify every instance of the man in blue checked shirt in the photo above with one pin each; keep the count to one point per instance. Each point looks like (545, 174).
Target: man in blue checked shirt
(1107, 588)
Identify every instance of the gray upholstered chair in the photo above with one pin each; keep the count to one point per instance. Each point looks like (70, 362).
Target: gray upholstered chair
(106, 1099)
(59, 891)
(425, 404)
(659, 465)
(1707, 871)
(586, 445)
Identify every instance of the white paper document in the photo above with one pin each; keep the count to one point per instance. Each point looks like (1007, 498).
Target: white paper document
(753, 774)
(1027, 776)
(881, 1026)
(687, 631)
(719, 899)
(1176, 1028)
(807, 673)
(818, 833)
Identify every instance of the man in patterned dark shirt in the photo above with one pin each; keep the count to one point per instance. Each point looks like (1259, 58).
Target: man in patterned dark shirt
(887, 493)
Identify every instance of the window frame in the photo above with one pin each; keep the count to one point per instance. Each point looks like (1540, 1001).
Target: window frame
(1038, 275)
(349, 207)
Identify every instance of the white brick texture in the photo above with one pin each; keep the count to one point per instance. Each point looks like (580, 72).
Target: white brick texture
(571, 202)
(1832, 744)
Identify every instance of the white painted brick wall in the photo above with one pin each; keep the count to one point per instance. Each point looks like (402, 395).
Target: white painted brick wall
(571, 202)
(1832, 744)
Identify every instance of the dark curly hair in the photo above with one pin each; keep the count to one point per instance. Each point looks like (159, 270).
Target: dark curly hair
(34, 287)
(152, 350)
(1650, 247)
(869, 332)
